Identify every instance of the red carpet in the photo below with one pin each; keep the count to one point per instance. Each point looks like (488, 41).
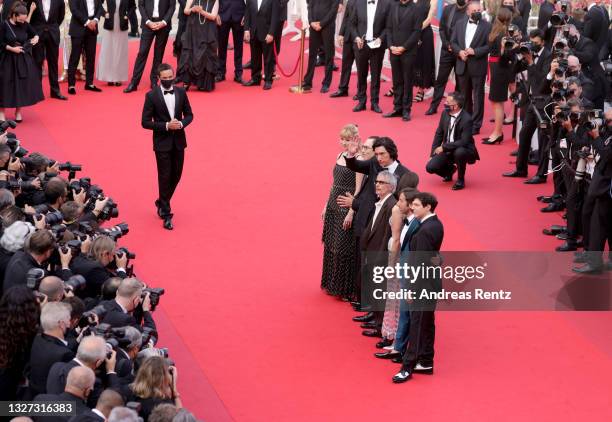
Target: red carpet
(243, 314)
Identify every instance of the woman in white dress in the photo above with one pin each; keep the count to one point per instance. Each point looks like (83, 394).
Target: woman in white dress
(113, 61)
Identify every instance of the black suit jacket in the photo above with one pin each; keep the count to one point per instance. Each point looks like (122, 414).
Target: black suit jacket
(546, 11)
(80, 15)
(87, 416)
(323, 11)
(359, 20)
(125, 8)
(79, 406)
(231, 10)
(17, 269)
(117, 318)
(376, 237)
(57, 12)
(602, 176)
(46, 351)
(155, 115)
(462, 134)
(404, 27)
(536, 73)
(345, 27)
(524, 9)
(446, 29)
(425, 244)
(596, 23)
(261, 22)
(588, 54)
(165, 9)
(95, 275)
(476, 65)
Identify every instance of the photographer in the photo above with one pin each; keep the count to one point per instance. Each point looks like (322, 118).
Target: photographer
(588, 54)
(12, 240)
(39, 247)
(129, 307)
(78, 389)
(53, 288)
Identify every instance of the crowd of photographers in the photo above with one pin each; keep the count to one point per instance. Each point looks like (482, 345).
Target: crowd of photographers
(563, 78)
(75, 323)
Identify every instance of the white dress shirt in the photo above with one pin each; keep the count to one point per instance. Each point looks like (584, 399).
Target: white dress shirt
(427, 217)
(377, 207)
(91, 8)
(170, 101)
(155, 9)
(46, 4)
(371, 13)
(451, 126)
(259, 4)
(470, 31)
(405, 228)
(97, 412)
(392, 167)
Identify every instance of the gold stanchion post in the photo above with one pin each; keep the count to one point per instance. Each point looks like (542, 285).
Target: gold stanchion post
(298, 89)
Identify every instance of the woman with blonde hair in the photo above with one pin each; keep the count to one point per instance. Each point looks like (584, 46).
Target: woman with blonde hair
(155, 383)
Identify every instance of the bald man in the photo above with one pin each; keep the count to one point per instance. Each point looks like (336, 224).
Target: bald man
(79, 385)
(109, 399)
(53, 288)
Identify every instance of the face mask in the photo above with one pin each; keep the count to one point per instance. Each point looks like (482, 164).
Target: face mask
(461, 3)
(448, 109)
(510, 8)
(476, 16)
(572, 40)
(535, 47)
(167, 83)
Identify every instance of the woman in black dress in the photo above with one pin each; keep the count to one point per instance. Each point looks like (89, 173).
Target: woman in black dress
(425, 69)
(20, 81)
(198, 60)
(501, 74)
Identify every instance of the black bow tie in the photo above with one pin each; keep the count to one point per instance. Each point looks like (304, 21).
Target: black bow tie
(372, 2)
(171, 92)
(535, 55)
(472, 22)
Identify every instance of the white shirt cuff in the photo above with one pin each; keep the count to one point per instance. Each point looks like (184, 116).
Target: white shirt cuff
(120, 270)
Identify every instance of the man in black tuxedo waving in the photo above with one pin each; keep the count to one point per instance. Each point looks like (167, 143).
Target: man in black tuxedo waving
(470, 43)
(260, 24)
(167, 113)
(46, 19)
(453, 145)
(156, 22)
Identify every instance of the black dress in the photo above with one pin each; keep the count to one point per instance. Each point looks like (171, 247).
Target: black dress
(20, 82)
(501, 73)
(198, 60)
(426, 60)
(338, 244)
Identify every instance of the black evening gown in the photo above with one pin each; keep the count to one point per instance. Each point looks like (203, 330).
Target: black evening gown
(338, 244)
(20, 81)
(426, 60)
(198, 60)
(501, 73)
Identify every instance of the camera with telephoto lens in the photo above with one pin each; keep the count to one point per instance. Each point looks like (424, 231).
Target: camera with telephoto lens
(84, 183)
(6, 124)
(58, 231)
(560, 44)
(581, 165)
(34, 277)
(513, 30)
(109, 211)
(88, 318)
(149, 337)
(562, 115)
(526, 47)
(117, 231)
(85, 227)
(75, 283)
(559, 19)
(509, 43)
(53, 218)
(154, 294)
(125, 251)
(14, 184)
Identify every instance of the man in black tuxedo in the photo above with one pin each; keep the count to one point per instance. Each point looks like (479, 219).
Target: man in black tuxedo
(425, 246)
(596, 23)
(345, 39)
(260, 25)
(453, 145)
(156, 23)
(403, 32)
(46, 20)
(167, 113)
(50, 346)
(120, 311)
(588, 53)
(231, 17)
(537, 63)
(83, 33)
(79, 385)
(322, 18)
(451, 15)
(546, 11)
(470, 43)
(369, 32)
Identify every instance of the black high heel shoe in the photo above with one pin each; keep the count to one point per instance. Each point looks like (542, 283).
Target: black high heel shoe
(488, 141)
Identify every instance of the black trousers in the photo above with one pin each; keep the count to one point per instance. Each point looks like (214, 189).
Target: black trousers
(325, 38)
(422, 337)
(146, 40)
(237, 36)
(169, 171)
(447, 64)
(86, 43)
(530, 125)
(278, 37)
(371, 59)
(402, 70)
(48, 49)
(133, 21)
(442, 164)
(559, 179)
(472, 87)
(597, 228)
(574, 201)
(357, 280)
(261, 49)
(349, 52)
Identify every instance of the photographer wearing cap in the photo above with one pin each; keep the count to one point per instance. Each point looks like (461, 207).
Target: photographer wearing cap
(129, 308)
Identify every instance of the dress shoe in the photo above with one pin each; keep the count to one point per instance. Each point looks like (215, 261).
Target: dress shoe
(514, 153)
(58, 96)
(364, 318)
(375, 108)
(247, 65)
(335, 67)
(562, 235)
(219, 78)
(553, 207)
(459, 184)
(533, 161)
(359, 107)
(406, 116)
(394, 113)
(238, 79)
(267, 86)
(134, 35)
(71, 90)
(489, 141)
(580, 258)
(515, 174)
(555, 230)
(168, 223)
(354, 303)
(252, 82)
(130, 88)
(545, 199)
(431, 110)
(110, 84)
(372, 333)
(355, 98)
(387, 355)
(92, 88)
(402, 376)
(568, 246)
(449, 178)
(423, 369)
(384, 343)
(535, 180)
(371, 325)
(398, 359)
(159, 210)
(324, 89)
(587, 269)
(338, 94)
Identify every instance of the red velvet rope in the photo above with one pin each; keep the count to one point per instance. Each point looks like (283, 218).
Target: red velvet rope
(280, 69)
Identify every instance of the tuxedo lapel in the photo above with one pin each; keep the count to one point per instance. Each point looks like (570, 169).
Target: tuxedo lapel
(162, 102)
(379, 218)
(178, 97)
(479, 29)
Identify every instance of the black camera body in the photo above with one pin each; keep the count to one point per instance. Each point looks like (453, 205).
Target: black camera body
(154, 294)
